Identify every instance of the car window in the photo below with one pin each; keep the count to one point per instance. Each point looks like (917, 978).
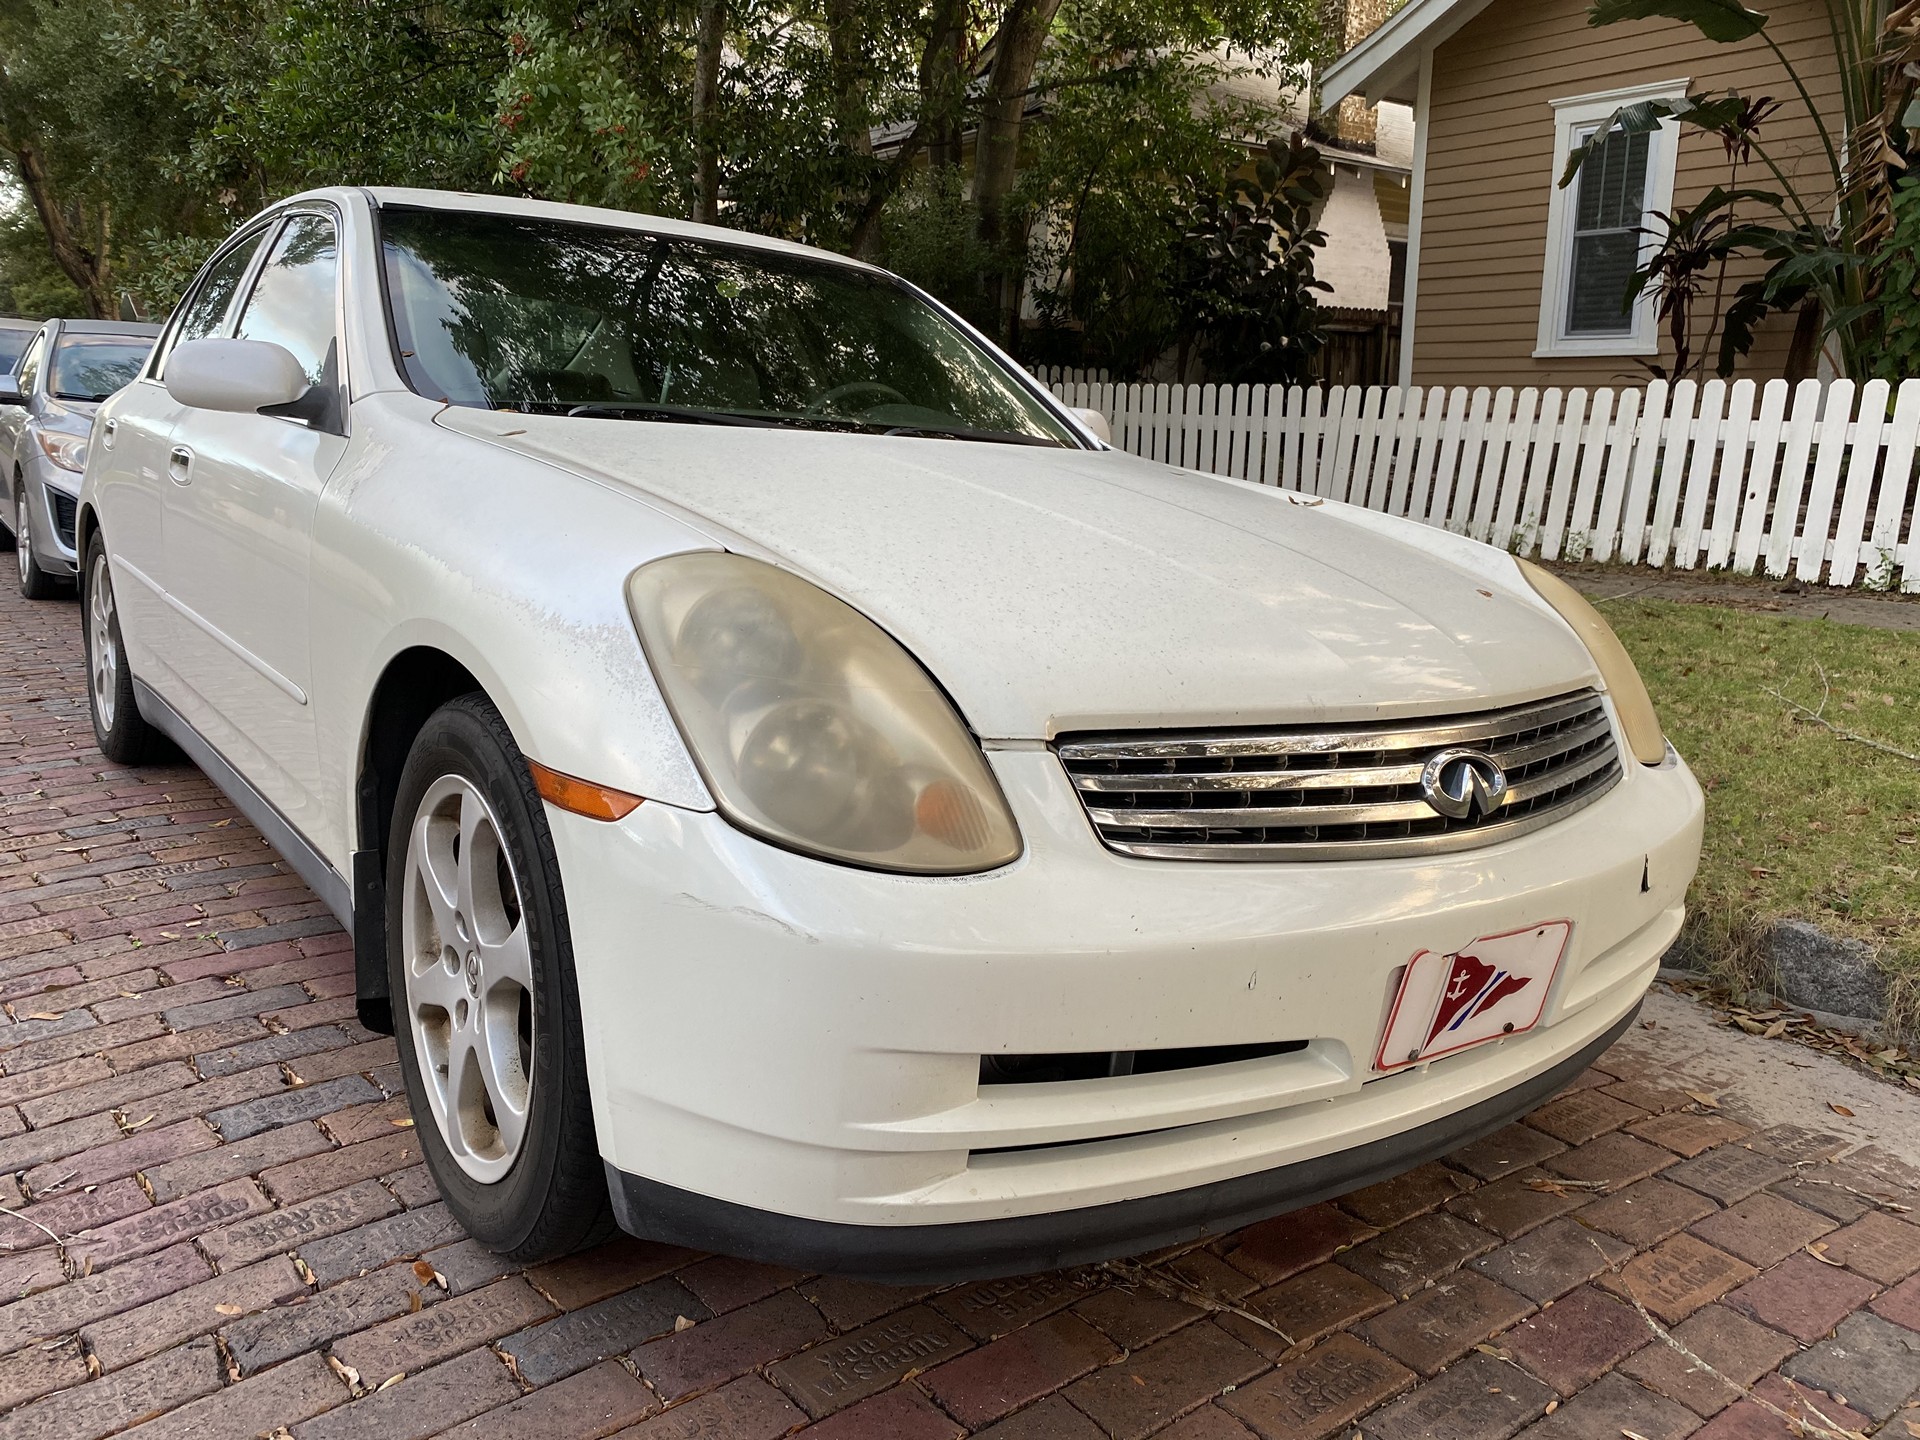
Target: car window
(205, 309)
(92, 367)
(13, 344)
(292, 303)
(30, 363)
(512, 312)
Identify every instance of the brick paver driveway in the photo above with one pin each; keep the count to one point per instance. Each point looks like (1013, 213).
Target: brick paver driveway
(218, 1225)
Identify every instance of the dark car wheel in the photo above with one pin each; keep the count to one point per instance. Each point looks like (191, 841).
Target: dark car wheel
(35, 583)
(120, 730)
(486, 1010)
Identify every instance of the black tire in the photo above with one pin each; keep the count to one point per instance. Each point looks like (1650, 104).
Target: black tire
(119, 729)
(35, 583)
(553, 1198)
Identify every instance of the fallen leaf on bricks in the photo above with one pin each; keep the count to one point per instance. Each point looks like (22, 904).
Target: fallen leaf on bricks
(681, 1322)
(390, 1380)
(1839, 1109)
(401, 1124)
(1712, 1102)
(1819, 1252)
(229, 1309)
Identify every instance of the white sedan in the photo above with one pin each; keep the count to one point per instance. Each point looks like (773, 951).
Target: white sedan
(796, 792)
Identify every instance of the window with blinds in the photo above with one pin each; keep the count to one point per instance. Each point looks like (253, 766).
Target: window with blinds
(1608, 212)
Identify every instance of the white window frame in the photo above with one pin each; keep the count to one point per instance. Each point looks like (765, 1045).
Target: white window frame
(1572, 116)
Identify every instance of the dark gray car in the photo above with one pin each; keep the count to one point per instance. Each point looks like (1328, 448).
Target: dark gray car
(46, 414)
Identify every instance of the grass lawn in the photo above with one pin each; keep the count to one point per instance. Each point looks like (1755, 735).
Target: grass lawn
(1800, 823)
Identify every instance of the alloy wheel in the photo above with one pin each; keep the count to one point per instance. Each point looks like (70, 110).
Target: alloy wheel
(103, 648)
(22, 535)
(469, 977)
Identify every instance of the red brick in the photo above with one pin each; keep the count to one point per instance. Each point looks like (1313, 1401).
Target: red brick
(349, 1060)
(46, 1080)
(421, 1405)
(898, 1414)
(69, 1211)
(230, 1161)
(87, 1412)
(1803, 1297)
(1445, 1321)
(40, 1370)
(1877, 1246)
(1578, 1339)
(1616, 1160)
(284, 1395)
(987, 1309)
(1520, 1202)
(584, 1406)
(1412, 1255)
(367, 1122)
(195, 1310)
(1901, 1304)
(123, 1157)
(1687, 1133)
(184, 1044)
(82, 1042)
(164, 1225)
(1749, 1421)
(56, 1143)
(1505, 1152)
(1678, 1276)
(850, 1367)
(1320, 1393)
(444, 1330)
(1647, 1213)
(1135, 1318)
(1310, 1305)
(1727, 1341)
(1764, 1228)
(336, 1169)
(1579, 1116)
(1155, 1386)
(1404, 1196)
(1275, 1249)
(93, 1297)
(1052, 1419)
(593, 1275)
(114, 1093)
(748, 1409)
(716, 1351)
(1018, 1369)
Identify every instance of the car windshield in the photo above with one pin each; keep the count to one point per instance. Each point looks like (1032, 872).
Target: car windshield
(517, 313)
(13, 344)
(92, 367)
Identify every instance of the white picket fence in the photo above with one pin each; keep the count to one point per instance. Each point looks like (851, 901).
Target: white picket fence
(1814, 481)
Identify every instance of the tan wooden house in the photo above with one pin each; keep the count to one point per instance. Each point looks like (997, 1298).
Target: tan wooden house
(1513, 280)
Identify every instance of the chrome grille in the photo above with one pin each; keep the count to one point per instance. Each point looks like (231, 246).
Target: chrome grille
(1330, 792)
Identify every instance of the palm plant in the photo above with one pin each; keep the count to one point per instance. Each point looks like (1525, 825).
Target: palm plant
(1821, 234)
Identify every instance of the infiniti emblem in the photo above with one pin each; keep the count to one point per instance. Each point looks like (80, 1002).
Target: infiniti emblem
(1463, 784)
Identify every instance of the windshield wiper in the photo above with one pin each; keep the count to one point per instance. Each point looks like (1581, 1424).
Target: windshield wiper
(995, 437)
(620, 410)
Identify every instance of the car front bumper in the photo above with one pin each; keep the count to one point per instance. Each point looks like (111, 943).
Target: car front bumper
(785, 1054)
(52, 504)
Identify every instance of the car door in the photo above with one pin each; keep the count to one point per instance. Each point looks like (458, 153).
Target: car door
(130, 477)
(239, 525)
(13, 418)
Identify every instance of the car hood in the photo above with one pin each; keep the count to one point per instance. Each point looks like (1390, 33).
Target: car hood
(1054, 591)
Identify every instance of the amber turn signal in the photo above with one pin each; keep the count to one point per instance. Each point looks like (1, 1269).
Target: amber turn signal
(581, 797)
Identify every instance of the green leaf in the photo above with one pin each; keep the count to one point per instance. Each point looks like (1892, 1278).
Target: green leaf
(1725, 22)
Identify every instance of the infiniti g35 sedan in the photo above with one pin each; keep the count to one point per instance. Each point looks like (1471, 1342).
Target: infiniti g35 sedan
(795, 791)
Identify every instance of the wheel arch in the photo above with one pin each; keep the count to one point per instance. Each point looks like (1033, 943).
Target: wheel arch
(414, 683)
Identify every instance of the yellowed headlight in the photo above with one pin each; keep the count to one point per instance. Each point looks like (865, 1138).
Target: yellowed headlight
(1630, 698)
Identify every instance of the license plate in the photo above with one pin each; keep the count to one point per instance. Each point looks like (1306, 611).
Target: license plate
(1493, 987)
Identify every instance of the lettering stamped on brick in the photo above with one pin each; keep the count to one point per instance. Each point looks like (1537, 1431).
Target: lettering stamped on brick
(1322, 1392)
(832, 1376)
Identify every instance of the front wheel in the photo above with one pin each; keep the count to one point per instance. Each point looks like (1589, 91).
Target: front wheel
(120, 730)
(486, 1010)
(35, 583)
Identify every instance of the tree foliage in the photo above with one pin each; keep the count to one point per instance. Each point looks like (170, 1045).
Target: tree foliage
(1027, 148)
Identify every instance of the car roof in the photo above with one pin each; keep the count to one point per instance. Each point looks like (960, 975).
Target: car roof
(134, 329)
(15, 322)
(478, 204)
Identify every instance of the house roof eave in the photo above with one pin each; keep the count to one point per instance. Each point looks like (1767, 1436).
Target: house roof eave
(1386, 65)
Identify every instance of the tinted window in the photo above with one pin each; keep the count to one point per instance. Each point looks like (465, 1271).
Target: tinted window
(13, 344)
(92, 367)
(30, 363)
(511, 312)
(207, 308)
(292, 301)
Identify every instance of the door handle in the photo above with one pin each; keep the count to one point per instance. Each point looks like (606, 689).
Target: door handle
(106, 432)
(180, 465)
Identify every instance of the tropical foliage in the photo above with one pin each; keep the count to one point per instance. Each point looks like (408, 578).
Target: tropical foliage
(1825, 236)
(1022, 143)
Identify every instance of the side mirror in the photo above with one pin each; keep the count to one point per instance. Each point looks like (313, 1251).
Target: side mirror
(10, 391)
(1097, 423)
(238, 375)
